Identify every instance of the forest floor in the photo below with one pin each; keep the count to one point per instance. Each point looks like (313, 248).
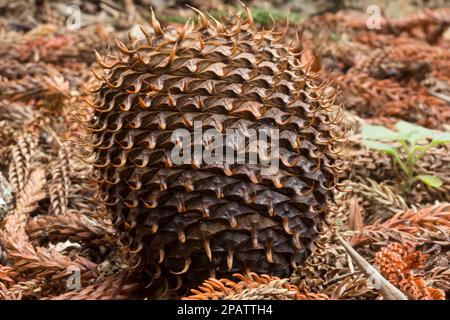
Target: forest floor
(52, 227)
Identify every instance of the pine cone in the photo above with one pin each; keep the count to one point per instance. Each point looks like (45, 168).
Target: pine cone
(198, 220)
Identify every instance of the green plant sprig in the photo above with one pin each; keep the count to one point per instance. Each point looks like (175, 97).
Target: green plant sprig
(409, 136)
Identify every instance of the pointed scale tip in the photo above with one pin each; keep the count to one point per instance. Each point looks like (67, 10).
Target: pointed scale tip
(203, 19)
(316, 64)
(156, 25)
(101, 60)
(248, 12)
(298, 45)
(230, 260)
(219, 26)
(187, 263)
(123, 48)
(207, 249)
(188, 26)
(146, 35)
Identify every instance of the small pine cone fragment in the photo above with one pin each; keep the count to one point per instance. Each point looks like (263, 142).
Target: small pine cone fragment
(397, 262)
(196, 220)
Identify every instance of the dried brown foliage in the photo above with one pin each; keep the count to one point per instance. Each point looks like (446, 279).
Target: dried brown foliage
(419, 225)
(71, 226)
(21, 161)
(379, 200)
(423, 20)
(60, 182)
(115, 287)
(397, 263)
(251, 287)
(54, 224)
(390, 72)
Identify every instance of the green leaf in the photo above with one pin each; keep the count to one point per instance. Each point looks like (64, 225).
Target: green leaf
(441, 137)
(380, 146)
(412, 132)
(406, 128)
(432, 181)
(371, 132)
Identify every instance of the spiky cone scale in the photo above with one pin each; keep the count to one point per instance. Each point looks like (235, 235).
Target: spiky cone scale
(193, 221)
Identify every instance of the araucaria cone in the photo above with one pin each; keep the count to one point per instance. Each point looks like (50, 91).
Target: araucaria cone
(190, 221)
